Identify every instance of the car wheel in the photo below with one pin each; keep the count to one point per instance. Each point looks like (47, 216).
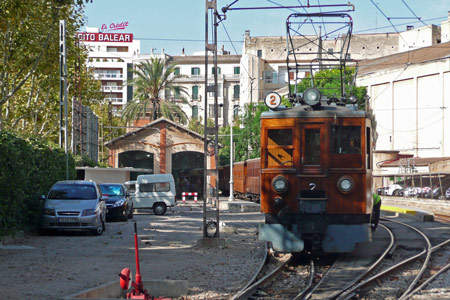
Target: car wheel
(130, 214)
(159, 208)
(99, 230)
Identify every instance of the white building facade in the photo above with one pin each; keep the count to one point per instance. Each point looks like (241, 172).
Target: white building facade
(264, 67)
(190, 71)
(110, 55)
(410, 96)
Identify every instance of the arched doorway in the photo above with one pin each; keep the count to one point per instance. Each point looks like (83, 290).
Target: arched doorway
(187, 170)
(136, 159)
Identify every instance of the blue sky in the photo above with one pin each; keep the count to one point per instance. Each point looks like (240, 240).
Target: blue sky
(177, 24)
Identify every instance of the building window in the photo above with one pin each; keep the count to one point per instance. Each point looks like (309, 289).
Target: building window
(176, 71)
(195, 111)
(213, 71)
(177, 92)
(237, 70)
(195, 71)
(236, 91)
(259, 53)
(195, 92)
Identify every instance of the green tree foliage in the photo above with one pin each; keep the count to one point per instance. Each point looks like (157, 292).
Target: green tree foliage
(246, 135)
(28, 168)
(329, 83)
(29, 72)
(198, 125)
(153, 78)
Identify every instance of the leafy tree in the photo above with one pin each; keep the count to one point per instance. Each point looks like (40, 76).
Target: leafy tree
(328, 81)
(153, 78)
(197, 125)
(29, 72)
(246, 135)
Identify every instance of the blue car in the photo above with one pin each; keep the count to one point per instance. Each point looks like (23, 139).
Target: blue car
(118, 204)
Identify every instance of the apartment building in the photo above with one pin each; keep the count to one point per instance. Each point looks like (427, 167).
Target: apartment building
(111, 56)
(190, 70)
(264, 58)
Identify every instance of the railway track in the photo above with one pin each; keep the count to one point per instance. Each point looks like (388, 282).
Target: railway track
(350, 276)
(412, 287)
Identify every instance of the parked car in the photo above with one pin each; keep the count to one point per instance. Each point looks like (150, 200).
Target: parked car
(436, 193)
(424, 192)
(381, 191)
(389, 190)
(74, 205)
(447, 194)
(155, 191)
(119, 204)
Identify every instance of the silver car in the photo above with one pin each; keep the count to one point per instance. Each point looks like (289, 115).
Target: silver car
(74, 204)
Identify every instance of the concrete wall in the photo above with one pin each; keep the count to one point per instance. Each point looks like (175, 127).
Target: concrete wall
(107, 175)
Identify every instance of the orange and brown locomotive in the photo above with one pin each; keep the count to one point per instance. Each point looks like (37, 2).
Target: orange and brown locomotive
(316, 176)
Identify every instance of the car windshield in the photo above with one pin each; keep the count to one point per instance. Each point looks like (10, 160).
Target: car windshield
(111, 189)
(73, 192)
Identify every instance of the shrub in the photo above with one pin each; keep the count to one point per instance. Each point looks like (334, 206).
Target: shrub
(28, 168)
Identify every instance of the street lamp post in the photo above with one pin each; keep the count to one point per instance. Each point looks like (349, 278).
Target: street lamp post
(231, 197)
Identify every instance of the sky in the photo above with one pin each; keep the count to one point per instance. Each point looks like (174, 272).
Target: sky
(176, 24)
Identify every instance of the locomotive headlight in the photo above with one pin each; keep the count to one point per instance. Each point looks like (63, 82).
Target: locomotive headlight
(345, 184)
(311, 96)
(280, 184)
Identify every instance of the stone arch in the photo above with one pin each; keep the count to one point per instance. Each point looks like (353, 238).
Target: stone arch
(187, 170)
(136, 159)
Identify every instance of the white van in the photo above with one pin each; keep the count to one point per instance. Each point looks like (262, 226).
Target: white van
(155, 191)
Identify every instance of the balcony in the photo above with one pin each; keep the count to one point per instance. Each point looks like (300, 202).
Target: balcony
(112, 88)
(114, 100)
(102, 75)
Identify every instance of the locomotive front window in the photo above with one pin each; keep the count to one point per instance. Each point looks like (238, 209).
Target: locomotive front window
(279, 148)
(346, 139)
(279, 137)
(312, 147)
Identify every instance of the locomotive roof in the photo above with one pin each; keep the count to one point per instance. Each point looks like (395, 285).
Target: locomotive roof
(325, 111)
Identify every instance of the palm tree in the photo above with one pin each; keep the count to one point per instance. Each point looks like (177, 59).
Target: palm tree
(152, 78)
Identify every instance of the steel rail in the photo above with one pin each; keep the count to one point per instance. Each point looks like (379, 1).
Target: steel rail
(312, 273)
(420, 287)
(267, 278)
(308, 295)
(424, 265)
(389, 270)
(370, 269)
(258, 271)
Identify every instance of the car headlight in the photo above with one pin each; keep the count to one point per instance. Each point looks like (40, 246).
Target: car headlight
(280, 184)
(49, 212)
(88, 212)
(345, 184)
(119, 203)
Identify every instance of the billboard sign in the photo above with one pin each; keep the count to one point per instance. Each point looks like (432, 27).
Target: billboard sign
(105, 37)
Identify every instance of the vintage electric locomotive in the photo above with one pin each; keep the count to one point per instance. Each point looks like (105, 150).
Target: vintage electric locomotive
(316, 176)
(316, 157)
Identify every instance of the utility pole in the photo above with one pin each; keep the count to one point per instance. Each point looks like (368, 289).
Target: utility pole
(211, 232)
(63, 93)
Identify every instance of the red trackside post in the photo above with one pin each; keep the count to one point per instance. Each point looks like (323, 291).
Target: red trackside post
(138, 271)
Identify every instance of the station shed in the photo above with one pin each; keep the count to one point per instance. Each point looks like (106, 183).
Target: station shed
(166, 147)
(408, 171)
